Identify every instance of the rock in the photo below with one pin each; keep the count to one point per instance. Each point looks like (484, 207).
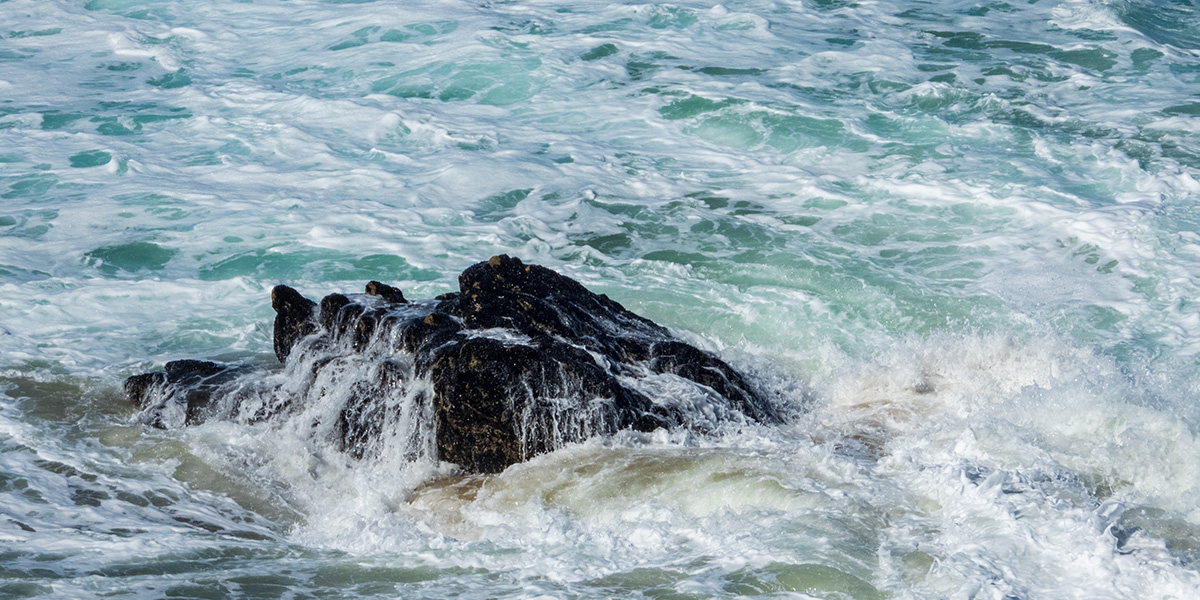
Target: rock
(385, 291)
(182, 393)
(294, 318)
(520, 361)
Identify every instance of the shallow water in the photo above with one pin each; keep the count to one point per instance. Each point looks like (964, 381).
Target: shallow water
(958, 239)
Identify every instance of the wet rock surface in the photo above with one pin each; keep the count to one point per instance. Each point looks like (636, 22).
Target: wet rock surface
(520, 361)
(192, 385)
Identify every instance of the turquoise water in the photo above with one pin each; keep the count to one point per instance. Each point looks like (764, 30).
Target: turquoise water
(960, 239)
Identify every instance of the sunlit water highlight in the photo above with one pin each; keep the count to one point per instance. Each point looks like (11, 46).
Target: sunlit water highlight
(959, 239)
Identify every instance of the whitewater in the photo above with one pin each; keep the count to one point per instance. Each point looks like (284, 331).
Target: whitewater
(959, 243)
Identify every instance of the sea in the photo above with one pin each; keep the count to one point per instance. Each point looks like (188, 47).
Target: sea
(958, 242)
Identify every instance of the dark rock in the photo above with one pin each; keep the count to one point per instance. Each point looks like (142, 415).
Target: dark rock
(140, 388)
(520, 361)
(385, 291)
(295, 317)
(182, 393)
(489, 394)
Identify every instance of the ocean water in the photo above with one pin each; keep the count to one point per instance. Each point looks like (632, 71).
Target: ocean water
(959, 240)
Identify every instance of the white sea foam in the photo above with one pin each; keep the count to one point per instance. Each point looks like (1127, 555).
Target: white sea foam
(961, 240)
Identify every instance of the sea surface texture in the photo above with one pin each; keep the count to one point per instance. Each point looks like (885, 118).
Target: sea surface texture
(957, 240)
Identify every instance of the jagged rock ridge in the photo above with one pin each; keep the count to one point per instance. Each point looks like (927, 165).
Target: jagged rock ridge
(520, 361)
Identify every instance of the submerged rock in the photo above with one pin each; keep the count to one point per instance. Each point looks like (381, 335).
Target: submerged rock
(520, 361)
(182, 393)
